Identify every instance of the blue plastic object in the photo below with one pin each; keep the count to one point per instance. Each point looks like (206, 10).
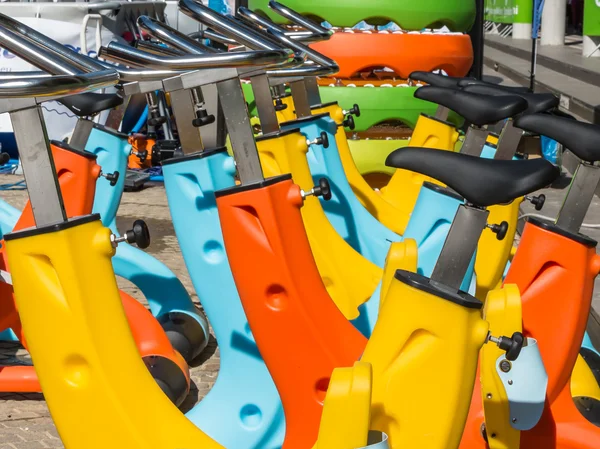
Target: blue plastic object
(243, 409)
(525, 385)
(167, 297)
(345, 212)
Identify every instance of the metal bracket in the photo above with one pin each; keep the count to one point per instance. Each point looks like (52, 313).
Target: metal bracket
(525, 381)
(460, 246)
(508, 141)
(579, 197)
(474, 141)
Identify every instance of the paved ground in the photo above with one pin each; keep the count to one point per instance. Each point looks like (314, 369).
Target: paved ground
(24, 419)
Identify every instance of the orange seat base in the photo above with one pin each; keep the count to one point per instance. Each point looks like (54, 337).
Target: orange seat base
(403, 53)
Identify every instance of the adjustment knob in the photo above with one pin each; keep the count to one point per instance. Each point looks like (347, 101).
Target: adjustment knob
(156, 121)
(111, 177)
(537, 201)
(142, 155)
(355, 110)
(512, 346)
(280, 105)
(4, 158)
(321, 140)
(349, 123)
(202, 118)
(139, 235)
(323, 189)
(499, 229)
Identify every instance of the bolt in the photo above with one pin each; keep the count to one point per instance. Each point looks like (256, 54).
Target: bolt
(489, 396)
(510, 382)
(514, 420)
(505, 366)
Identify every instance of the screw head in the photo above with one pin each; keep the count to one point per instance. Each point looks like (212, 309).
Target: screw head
(505, 366)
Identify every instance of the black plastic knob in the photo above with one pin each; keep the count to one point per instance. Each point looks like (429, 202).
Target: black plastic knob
(512, 345)
(113, 178)
(537, 201)
(349, 123)
(499, 229)
(142, 155)
(323, 140)
(323, 189)
(4, 158)
(355, 110)
(139, 234)
(280, 105)
(156, 121)
(203, 118)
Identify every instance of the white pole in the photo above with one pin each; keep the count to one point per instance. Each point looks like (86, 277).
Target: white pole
(553, 22)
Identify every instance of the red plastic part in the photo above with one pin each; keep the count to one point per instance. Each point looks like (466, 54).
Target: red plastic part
(77, 175)
(404, 53)
(555, 275)
(300, 333)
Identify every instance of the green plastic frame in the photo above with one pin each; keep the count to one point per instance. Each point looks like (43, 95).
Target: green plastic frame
(380, 104)
(457, 15)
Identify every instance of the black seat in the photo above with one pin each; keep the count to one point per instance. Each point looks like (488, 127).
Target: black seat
(89, 103)
(582, 139)
(482, 182)
(536, 102)
(473, 81)
(477, 109)
(434, 79)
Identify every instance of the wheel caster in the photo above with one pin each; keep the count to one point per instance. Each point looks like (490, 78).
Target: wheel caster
(169, 376)
(185, 333)
(589, 408)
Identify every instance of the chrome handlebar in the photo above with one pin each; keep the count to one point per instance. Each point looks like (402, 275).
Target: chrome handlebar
(135, 57)
(238, 32)
(172, 37)
(278, 33)
(299, 19)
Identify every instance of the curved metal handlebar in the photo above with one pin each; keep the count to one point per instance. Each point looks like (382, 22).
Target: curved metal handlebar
(315, 70)
(172, 37)
(298, 18)
(255, 20)
(35, 55)
(151, 47)
(213, 36)
(240, 33)
(59, 85)
(132, 56)
(68, 56)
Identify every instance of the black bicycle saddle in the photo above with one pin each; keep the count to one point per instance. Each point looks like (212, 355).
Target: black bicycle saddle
(515, 89)
(434, 79)
(582, 139)
(477, 109)
(482, 182)
(536, 102)
(89, 103)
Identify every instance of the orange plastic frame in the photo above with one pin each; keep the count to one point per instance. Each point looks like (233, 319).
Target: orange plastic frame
(300, 333)
(403, 53)
(555, 275)
(77, 174)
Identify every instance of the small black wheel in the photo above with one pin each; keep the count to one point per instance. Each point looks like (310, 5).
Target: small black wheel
(185, 333)
(4, 158)
(589, 409)
(169, 377)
